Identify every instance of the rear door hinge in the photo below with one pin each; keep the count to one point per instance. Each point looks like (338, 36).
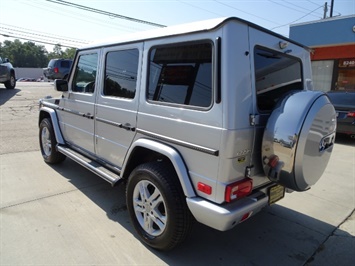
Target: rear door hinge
(254, 119)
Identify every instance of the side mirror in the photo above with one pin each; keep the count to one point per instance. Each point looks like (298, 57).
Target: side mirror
(6, 60)
(61, 85)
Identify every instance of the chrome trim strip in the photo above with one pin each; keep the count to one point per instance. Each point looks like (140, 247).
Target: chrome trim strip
(179, 142)
(115, 124)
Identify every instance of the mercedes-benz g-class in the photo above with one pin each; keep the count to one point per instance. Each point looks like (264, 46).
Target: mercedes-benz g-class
(210, 121)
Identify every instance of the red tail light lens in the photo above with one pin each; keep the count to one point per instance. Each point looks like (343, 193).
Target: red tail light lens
(238, 189)
(351, 114)
(204, 188)
(56, 70)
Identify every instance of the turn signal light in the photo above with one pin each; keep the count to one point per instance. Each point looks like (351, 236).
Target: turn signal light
(238, 189)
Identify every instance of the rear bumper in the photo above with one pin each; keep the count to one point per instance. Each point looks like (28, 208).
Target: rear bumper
(225, 217)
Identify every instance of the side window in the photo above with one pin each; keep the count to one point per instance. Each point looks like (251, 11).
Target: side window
(121, 73)
(85, 74)
(65, 64)
(181, 74)
(275, 75)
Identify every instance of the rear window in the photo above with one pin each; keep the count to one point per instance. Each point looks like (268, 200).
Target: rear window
(181, 74)
(51, 63)
(275, 75)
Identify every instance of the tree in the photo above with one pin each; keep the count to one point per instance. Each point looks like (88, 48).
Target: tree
(29, 54)
(69, 53)
(25, 54)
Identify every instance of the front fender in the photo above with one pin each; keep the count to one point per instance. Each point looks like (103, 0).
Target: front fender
(174, 158)
(45, 112)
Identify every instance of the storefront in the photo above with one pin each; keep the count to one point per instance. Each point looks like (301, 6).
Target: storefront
(332, 42)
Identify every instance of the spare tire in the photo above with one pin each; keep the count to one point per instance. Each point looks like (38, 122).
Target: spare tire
(298, 139)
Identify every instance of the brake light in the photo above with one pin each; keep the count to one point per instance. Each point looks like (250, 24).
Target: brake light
(238, 189)
(351, 114)
(56, 70)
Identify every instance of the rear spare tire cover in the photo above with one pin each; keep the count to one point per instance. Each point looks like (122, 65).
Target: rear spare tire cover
(298, 139)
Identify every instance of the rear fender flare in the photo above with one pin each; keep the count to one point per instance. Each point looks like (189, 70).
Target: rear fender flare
(53, 116)
(174, 157)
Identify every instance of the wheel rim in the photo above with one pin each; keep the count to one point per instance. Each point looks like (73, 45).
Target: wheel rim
(12, 81)
(150, 208)
(46, 141)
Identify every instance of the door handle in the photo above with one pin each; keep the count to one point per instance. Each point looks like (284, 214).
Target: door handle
(88, 115)
(127, 126)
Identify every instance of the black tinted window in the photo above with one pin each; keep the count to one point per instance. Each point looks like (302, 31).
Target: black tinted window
(85, 74)
(181, 74)
(121, 73)
(65, 64)
(275, 75)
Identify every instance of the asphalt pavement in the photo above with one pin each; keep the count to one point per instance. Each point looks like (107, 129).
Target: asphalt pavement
(65, 215)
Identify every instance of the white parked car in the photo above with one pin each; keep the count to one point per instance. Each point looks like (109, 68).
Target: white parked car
(210, 121)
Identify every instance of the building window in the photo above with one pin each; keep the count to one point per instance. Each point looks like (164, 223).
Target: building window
(322, 72)
(346, 75)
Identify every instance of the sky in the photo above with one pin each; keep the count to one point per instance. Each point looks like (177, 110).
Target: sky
(49, 21)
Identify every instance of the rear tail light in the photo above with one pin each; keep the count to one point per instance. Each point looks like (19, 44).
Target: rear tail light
(351, 114)
(238, 189)
(56, 70)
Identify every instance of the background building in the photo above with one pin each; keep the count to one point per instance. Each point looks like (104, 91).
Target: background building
(333, 51)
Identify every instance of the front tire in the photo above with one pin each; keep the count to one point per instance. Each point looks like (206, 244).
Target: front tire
(157, 206)
(48, 143)
(11, 83)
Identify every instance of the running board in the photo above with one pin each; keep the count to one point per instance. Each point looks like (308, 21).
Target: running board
(89, 164)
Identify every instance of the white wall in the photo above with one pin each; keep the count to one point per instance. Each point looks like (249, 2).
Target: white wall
(23, 72)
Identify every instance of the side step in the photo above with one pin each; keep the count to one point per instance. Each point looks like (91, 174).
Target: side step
(89, 164)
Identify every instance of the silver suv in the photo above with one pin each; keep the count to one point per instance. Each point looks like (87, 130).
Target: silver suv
(210, 121)
(57, 69)
(7, 74)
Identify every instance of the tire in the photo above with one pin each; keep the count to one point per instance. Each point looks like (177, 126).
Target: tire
(48, 143)
(11, 83)
(157, 206)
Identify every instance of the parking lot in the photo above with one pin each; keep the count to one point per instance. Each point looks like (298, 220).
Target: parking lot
(65, 215)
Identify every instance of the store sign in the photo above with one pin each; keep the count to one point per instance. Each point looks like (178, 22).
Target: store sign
(347, 62)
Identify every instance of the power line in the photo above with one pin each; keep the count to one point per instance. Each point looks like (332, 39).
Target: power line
(297, 19)
(32, 40)
(101, 12)
(39, 35)
(219, 2)
(277, 3)
(55, 36)
(78, 16)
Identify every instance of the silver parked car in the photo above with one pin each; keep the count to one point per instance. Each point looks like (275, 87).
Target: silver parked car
(7, 74)
(210, 121)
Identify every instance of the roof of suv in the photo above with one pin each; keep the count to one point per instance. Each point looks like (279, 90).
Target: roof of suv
(200, 26)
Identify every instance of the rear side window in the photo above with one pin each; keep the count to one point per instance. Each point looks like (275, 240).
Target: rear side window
(181, 74)
(65, 64)
(276, 74)
(121, 73)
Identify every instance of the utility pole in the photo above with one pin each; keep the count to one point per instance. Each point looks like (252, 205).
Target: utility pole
(325, 10)
(331, 8)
